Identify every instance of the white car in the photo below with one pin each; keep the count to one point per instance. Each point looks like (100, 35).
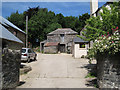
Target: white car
(28, 54)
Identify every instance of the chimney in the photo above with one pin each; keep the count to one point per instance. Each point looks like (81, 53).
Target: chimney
(93, 6)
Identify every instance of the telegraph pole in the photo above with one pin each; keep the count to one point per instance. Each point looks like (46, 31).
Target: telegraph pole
(26, 31)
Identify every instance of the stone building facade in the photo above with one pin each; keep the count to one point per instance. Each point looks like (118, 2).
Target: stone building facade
(63, 36)
(11, 59)
(51, 47)
(10, 51)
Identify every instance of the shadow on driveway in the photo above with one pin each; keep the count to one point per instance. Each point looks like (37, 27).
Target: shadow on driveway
(21, 83)
(92, 68)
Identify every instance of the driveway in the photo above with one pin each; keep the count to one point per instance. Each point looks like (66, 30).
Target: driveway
(56, 71)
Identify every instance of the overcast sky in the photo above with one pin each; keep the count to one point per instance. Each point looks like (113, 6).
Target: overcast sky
(66, 8)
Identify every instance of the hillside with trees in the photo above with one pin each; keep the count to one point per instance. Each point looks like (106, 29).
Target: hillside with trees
(41, 22)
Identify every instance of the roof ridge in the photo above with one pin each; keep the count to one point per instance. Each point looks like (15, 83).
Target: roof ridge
(63, 31)
(6, 34)
(6, 22)
(64, 28)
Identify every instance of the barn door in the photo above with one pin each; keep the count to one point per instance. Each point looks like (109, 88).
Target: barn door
(62, 48)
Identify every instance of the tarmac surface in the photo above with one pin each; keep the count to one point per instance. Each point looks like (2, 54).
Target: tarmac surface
(56, 71)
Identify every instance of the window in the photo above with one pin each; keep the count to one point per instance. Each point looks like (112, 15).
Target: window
(62, 37)
(23, 50)
(81, 45)
(29, 51)
(15, 33)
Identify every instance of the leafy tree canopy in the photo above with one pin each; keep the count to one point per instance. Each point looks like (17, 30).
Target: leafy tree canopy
(103, 23)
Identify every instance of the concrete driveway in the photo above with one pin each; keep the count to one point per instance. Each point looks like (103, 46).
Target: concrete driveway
(56, 71)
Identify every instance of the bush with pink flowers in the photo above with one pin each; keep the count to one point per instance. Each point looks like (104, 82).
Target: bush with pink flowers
(106, 44)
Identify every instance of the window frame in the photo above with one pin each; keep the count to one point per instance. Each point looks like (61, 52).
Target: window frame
(30, 51)
(62, 37)
(80, 45)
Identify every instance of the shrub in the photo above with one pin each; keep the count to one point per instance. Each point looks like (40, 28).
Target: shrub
(82, 56)
(109, 43)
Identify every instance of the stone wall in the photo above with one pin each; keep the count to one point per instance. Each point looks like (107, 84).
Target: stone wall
(11, 58)
(69, 38)
(108, 71)
(53, 38)
(51, 49)
(57, 38)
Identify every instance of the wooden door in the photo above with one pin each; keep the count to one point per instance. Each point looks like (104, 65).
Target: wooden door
(62, 48)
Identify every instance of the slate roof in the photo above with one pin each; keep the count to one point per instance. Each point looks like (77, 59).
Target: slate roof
(63, 31)
(51, 44)
(79, 40)
(5, 34)
(7, 23)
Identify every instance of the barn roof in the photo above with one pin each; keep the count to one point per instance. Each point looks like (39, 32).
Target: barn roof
(7, 23)
(79, 40)
(5, 34)
(63, 31)
(51, 44)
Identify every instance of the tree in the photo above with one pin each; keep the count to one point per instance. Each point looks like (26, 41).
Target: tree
(41, 22)
(51, 27)
(31, 12)
(101, 25)
(17, 19)
(60, 19)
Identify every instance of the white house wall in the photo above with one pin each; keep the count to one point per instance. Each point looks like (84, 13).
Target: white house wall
(93, 6)
(108, 6)
(78, 52)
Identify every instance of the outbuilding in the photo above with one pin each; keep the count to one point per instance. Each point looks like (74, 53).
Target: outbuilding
(61, 40)
(80, 47)
(10, 52)
(51, 47)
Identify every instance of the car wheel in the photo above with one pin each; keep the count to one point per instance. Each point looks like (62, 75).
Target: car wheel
(28, 60)
(35, 58)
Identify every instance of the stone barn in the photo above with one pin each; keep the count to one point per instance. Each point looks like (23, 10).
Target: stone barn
(13, 29)
(10, 50)
(63, 36)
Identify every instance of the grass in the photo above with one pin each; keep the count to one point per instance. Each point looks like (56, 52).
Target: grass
(23, 73)
(37, 49)
(90, 75)
(94, 81)
(96, 86)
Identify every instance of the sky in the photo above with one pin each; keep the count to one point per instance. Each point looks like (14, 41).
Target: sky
(66, 8)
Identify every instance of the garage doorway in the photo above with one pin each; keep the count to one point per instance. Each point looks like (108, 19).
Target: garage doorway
(62, 48)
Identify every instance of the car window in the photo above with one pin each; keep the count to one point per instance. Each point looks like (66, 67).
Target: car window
(29, 51)
(23, 50)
